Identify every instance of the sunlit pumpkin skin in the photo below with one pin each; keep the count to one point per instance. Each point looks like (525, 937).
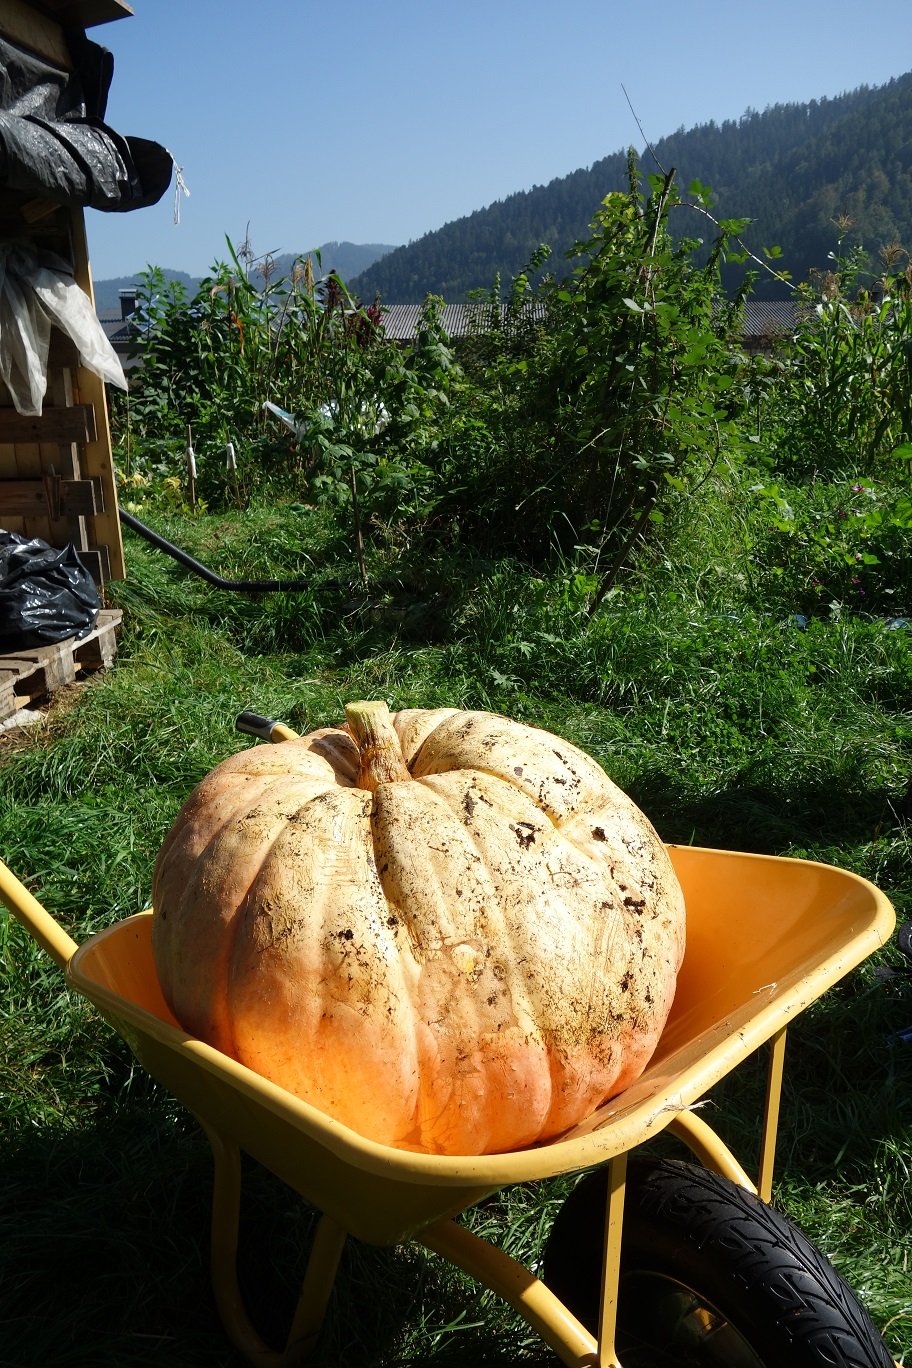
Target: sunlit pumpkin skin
(453, 933)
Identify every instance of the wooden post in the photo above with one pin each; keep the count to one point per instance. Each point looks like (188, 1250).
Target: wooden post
(97, 458)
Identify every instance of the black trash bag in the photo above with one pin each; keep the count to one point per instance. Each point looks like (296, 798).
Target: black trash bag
(46, 595)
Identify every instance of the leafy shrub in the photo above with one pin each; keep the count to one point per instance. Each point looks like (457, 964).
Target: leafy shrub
(840, 545)
(622, 398)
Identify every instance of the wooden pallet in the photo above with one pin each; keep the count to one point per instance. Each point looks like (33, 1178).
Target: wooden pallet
(35, 674)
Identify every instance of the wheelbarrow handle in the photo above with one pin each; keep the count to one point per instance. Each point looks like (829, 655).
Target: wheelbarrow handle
(263, 727)
(40, 925)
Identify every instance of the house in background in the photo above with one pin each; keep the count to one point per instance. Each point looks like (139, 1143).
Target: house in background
(765, 323)
(117, 326)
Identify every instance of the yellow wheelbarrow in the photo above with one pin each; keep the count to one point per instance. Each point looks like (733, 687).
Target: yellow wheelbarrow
(651, 1262)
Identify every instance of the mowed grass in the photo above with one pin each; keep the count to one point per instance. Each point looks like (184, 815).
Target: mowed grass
(730, 721)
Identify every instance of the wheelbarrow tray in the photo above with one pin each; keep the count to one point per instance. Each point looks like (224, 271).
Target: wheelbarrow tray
(766, 936)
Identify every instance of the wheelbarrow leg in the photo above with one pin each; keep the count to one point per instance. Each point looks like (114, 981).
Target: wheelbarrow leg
(706, 1145)
(611, 1261)
(774, 1076)
(539, 1306)
(322, 1265)
(512, 1281)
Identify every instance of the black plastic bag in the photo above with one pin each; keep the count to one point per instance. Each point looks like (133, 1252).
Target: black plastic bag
(46, 595)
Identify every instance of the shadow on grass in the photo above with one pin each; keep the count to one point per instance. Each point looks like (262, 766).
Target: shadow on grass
(104, 1232)
(413, 599)
(766, 819)
(104, 1225)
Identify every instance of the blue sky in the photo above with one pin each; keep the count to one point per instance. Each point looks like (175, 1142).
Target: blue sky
(380, 120)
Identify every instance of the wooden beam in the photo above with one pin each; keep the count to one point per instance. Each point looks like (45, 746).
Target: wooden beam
(97, 560)
(30, 28)
(85, 13)
(39, 24)
(62, 425)
(37, 210)
(61, 458)
(96, 458)
(37, 499)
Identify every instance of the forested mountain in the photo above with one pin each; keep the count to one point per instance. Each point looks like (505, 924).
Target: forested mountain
(796, 170)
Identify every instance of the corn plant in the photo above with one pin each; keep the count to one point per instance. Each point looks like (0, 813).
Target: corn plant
(844, 397)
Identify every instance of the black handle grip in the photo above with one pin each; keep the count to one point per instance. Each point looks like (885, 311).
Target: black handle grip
(252, 724)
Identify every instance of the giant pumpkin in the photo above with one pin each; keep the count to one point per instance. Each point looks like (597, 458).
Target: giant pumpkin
(448, 930)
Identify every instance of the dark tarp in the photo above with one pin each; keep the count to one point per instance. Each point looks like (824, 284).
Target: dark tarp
(54, 143)
(46, 595)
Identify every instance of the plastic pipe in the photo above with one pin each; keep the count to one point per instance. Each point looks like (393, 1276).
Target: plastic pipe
(246, 586)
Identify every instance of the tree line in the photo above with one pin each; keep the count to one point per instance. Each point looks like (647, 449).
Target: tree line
(804, 175)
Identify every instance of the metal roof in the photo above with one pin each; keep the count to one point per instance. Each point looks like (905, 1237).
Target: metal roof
(402, 320)
(120, 335)
(761, 319)
(769, 317)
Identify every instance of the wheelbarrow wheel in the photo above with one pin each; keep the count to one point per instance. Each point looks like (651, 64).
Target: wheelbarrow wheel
(710, 1276)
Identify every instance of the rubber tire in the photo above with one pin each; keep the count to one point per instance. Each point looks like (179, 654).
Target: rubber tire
(904, 941)
(743, 1260)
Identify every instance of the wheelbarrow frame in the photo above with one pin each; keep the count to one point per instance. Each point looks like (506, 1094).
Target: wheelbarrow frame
(766, 937)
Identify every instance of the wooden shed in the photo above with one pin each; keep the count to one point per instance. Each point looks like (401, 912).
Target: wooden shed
(57, 477)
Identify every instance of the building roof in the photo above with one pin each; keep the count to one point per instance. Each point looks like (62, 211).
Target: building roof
(763, 319)
(118, 332)
(401, 321)
(116, 328)
(769, 317)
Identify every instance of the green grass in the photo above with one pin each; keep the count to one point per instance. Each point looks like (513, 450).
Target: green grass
(728, 722)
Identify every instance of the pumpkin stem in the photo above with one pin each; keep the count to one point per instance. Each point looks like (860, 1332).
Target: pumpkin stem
(380, 753)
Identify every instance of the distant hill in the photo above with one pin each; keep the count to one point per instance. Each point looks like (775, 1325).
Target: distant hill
(796, 170)
(107, 292)
(347, 259)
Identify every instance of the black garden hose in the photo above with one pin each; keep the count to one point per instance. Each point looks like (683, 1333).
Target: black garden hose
(245, 586)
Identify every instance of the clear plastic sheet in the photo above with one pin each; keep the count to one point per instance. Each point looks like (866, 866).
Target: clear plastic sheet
(55, 145)
(36, 291)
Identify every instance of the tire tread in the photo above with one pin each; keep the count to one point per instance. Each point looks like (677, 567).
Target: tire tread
(746, 1258)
